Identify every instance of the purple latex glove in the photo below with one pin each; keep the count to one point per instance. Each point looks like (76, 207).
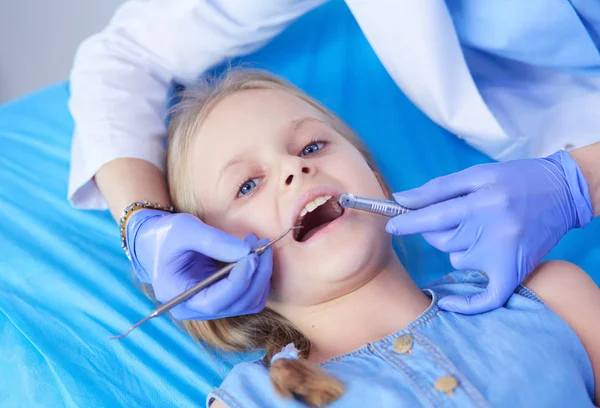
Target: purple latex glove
(173, 252)
(499, 218)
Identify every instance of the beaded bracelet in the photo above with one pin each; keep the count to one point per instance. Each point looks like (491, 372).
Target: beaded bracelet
(130, 209)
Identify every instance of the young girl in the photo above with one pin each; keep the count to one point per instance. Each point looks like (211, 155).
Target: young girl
(345, 326)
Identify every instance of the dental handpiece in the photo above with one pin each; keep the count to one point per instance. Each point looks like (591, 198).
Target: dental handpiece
(372, 205)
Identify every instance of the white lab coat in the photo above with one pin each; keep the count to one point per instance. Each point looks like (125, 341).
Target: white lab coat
(527, 104)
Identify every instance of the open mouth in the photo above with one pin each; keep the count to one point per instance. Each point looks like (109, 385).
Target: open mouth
(315, 216)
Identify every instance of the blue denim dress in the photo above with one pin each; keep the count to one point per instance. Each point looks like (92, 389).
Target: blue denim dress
(520, 355)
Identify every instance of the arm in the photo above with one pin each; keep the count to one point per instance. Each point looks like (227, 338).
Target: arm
(574, 296)
(120, 79)
(588, 159)
(145, 182)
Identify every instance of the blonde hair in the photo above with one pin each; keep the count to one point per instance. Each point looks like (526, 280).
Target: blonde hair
(267, 329)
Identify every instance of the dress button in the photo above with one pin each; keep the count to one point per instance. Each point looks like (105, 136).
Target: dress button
(446, 384)
(403, 344)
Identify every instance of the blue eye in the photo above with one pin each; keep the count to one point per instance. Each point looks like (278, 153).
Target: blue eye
(311, 148)
(247, 187)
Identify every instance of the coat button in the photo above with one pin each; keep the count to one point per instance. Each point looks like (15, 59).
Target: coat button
(403, 344)
(446, 384)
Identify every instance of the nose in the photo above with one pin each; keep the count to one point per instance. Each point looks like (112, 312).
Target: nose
(290, 178)
(295, 172)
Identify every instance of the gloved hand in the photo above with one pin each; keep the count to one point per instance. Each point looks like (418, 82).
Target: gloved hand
(499, 218)
(173, 252)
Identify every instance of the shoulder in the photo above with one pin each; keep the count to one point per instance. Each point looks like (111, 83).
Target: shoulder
(567, 290)
(575, 298)
(570, 293)
(563, 286)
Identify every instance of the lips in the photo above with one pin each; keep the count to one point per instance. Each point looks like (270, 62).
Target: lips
(314, 210)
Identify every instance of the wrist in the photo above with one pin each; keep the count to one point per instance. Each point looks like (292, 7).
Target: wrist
(128, 214)
(588, 159)
(577, 187)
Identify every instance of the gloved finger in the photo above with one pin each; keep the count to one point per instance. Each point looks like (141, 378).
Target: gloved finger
(252, 240)
(458, 260)
(194, 235)
(473, 257)
(437, 190)
(450, 240)
(182, 312)
(166, 292)
(436, 217)
(170, 284)
(261, 242)
(260, 304)
(221, 295)
(494, 296)
(259, 285)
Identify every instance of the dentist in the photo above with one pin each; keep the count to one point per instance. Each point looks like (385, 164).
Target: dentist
(515, 79)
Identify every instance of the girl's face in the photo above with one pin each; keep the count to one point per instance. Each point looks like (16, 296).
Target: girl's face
(263, 156)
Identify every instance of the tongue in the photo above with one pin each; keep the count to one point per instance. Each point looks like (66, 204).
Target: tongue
(313, 231)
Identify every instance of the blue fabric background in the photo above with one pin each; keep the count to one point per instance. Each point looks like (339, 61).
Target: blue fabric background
(66, 286)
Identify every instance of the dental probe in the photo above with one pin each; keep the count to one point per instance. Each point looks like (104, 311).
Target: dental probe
(199, 286)
(372, 205)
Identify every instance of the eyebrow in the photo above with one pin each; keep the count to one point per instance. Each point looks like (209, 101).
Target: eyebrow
(295, 125)
(235, 160)
(298, 124)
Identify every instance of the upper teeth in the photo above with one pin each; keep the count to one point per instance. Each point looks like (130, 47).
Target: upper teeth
(310, 206)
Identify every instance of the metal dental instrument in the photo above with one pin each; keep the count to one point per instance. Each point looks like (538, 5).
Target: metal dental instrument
(372, 205)
(199, 286)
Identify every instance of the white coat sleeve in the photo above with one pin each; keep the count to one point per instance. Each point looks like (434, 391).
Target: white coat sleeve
(120, 77)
